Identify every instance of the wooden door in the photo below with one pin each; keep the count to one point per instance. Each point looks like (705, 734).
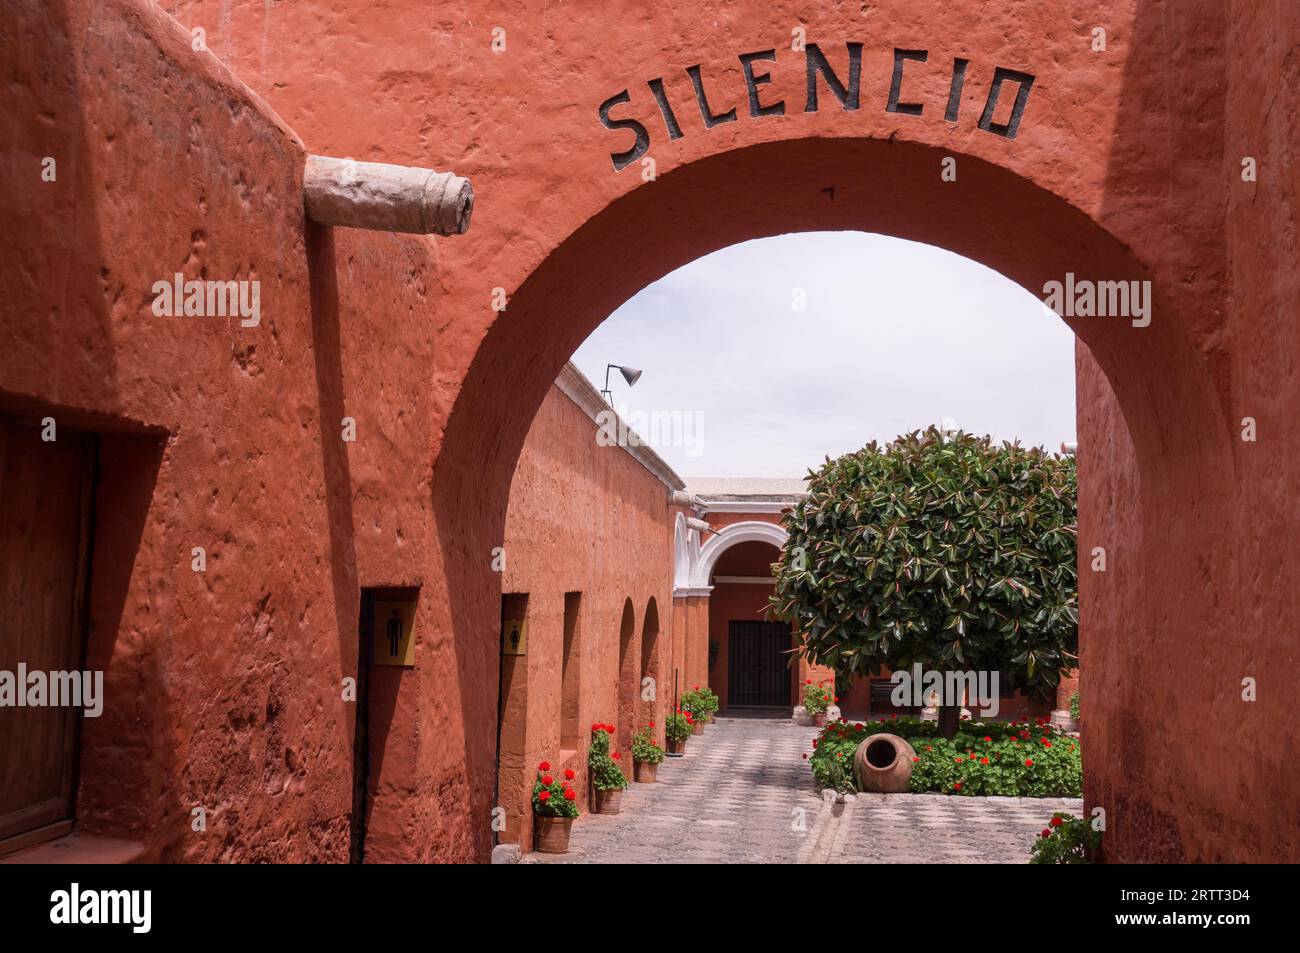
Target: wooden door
(45, 499)
(758, 672)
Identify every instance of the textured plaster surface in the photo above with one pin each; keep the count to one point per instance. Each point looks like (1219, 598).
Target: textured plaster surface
(1126, 166)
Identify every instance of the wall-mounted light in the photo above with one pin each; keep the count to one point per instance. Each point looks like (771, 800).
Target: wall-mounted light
(630, 374)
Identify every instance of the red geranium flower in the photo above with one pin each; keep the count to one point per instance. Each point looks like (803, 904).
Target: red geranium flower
(928, 748)
(809, 682)
(984, 760)
(956, 786)
(1029, 762)
(568, 773)
(1046, 743)
(610, 728)
(544, 795)
(1047, 832)
(1057, 822)
(547, 780)
(544, 766)
(570, 795)
(987, 738)
(914, 760)
(617, 756)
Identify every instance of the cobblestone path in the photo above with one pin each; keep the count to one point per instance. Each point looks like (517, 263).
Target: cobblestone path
(744, 794)
(941, 829)
(732, 799)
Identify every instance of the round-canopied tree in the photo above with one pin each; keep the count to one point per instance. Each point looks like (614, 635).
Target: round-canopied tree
(941, 549)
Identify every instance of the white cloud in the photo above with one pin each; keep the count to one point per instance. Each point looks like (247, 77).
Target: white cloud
(896, 336)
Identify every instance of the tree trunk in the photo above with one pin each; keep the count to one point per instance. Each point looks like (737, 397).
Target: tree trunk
(949, 720)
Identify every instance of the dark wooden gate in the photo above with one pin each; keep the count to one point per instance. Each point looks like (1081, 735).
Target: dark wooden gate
(758, 674)
(45, 500)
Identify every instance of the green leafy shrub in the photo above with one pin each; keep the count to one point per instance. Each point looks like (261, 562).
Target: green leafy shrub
(816, 699)
(1074, 706)
(1007, 759)
(604, 768)
(677, 726)
(693, 704)
(941, 549)
(709, 699)
(554, 796)
(1066, 840)
(644, 748)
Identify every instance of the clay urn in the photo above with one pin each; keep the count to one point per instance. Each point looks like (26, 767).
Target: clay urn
(676, 747)
(646, 771)
(883, 764)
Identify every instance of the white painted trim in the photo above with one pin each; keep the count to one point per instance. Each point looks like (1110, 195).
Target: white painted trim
(686, 549)
(686, 591)
(747, 580)
(747, 506)
(575, 386)
(747, 531)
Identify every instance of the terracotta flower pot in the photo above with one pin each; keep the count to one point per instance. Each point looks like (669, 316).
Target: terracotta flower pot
(606, 802)
(708, 719)
(883, 764)
(676, 748)
(697, 727)
(551, 834)
(645, 771)
(819, 720)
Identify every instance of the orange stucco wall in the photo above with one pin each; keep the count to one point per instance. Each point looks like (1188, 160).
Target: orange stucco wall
(584, 518)
(227, 685)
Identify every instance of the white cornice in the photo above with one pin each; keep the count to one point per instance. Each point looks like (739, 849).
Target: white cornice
(686, 591)
(575, 386)
(747, 580)
(747, 506)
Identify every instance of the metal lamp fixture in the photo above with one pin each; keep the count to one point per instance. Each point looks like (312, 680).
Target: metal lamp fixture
(630, 374)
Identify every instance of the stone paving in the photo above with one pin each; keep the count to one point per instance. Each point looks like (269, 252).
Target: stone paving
(732, 799)
(744, 794)
(941, 829)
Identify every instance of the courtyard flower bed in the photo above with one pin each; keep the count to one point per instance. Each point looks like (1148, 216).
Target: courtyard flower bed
(1008, 759)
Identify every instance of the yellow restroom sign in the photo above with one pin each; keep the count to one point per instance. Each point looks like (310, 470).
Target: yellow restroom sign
(394, 625)
(514, 637)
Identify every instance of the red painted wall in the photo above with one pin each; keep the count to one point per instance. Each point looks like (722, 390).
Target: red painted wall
(584, 518)
(1127, 166)
(224, 688)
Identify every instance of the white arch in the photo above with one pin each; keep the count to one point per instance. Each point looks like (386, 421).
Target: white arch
(685, 555)
(748, 531)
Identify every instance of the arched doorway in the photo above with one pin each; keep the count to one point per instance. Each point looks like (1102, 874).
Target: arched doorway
(648, 687)
(749, 654)
(999, 218)
(628, 683)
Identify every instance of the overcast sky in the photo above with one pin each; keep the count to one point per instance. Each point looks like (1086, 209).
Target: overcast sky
(895, 336)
